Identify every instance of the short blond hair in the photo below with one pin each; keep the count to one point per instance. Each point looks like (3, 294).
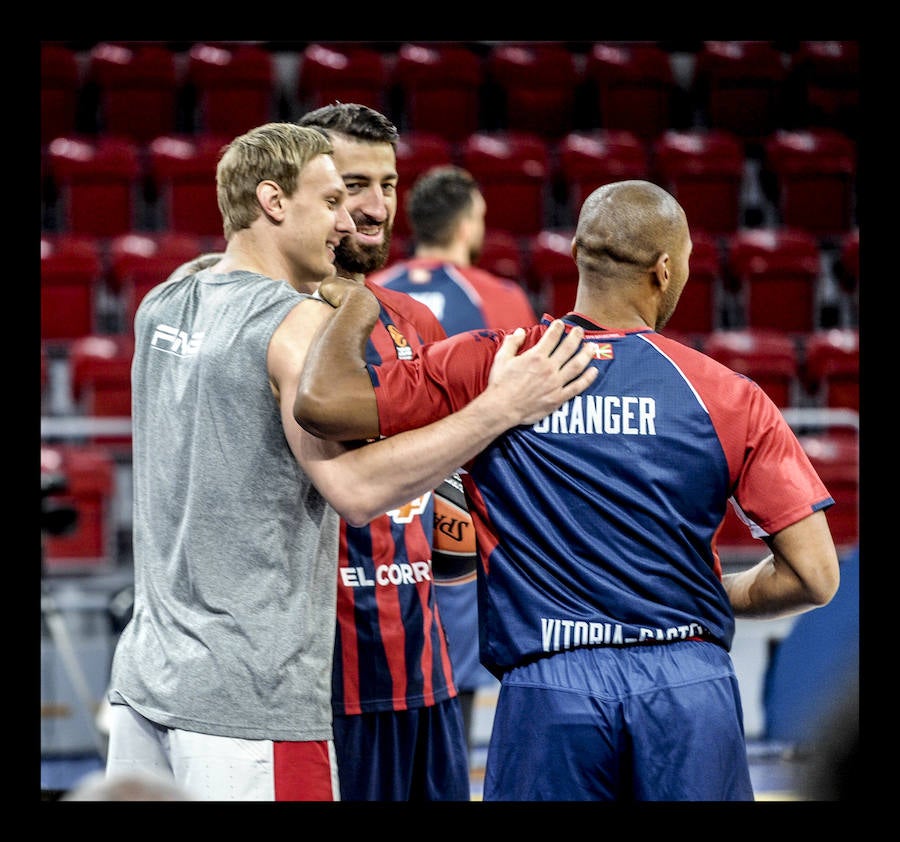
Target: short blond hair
(275, 151)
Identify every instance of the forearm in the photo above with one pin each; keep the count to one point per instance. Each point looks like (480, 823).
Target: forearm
(800, 574)
(335, 399)
(395, 470)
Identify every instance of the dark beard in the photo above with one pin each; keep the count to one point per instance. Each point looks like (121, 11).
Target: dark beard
(354, 259)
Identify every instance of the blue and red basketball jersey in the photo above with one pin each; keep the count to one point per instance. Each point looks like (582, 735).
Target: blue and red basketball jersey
(390, 649)
(597, 525)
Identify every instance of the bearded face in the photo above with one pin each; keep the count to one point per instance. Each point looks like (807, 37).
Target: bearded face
(354, 257)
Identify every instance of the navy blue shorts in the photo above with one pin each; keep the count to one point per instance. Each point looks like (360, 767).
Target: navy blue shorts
(408, 755)
(643, 723)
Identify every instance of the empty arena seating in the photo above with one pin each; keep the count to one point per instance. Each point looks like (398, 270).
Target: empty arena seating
(71, 273)
(704, 170)
(832, 367)
(835, 457)
(825, 79)
(137, 89)
(101, 374)
(501, 255)
(633, 87)
(589, 159)
(812, 176)
(439, 86)
(89, 475)
(183, 171)
(740, 87)
(417, 152)
(699, 304)
(98, 182)
(768, 357)
(60, 86)
(234, 87)
(329, 73)
(776, 274)
(551, 270)
(512, 169)
(537, 85)
(141, 260)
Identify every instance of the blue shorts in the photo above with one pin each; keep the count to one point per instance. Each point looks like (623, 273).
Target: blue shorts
(407, 755)
(643, 723)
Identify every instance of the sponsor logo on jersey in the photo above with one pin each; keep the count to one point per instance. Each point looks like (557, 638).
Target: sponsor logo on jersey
(404, 351)
(409, 510)
(171, 340)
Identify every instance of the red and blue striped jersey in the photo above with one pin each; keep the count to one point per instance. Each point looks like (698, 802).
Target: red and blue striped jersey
(463, 298)
(597, 526)
(390, 648)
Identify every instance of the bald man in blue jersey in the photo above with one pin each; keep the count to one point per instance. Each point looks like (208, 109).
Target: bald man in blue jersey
(603, 606)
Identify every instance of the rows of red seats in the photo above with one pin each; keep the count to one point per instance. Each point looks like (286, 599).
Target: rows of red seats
(145, 89)
(756, 277)
(109, 185)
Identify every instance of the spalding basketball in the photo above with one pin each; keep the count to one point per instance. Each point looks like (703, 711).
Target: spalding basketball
(454, 554)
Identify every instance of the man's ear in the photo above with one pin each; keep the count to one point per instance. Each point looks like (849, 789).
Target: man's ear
(661, 271)
(270, 198)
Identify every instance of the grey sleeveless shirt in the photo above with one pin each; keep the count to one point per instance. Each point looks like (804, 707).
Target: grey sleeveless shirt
(235, 551)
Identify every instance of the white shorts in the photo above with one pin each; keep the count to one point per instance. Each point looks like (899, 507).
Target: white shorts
(210, 768)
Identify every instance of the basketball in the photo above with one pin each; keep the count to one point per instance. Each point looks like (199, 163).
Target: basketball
(454, 553)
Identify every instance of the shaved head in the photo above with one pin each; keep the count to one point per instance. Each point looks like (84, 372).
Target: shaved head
(625, 226)
(629, 233)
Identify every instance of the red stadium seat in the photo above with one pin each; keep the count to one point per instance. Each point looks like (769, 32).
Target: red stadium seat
(825, 75)
(99, 182)
(502, 256)
(101, 374)
(71, 273)
(60, 86)
(776, 273)
(512, 169)
(329, 73)
(832, 368)
(183, 170)
(698, 306)
(537, 83)
(89, 474)
(633, 86)
(704, 171)
(440, 89)
(588, 160)
(551, 270)
(137, 87)
(835, 456)
(813, 174)
(234, 87)
(739, 87)
(846, 271)
(768, 357)
(417, 152)
(847, 268)
(139, 261)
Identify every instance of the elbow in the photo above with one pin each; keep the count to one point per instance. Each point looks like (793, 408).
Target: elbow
(314, 414)
(354, 511)
(340, 413)
(822, 591)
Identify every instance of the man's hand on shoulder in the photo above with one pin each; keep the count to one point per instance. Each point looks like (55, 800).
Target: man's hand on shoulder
(334, 289)
(536, 382)
(204, 261)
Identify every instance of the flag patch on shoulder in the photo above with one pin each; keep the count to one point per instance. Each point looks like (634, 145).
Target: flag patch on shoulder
(603, 350)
